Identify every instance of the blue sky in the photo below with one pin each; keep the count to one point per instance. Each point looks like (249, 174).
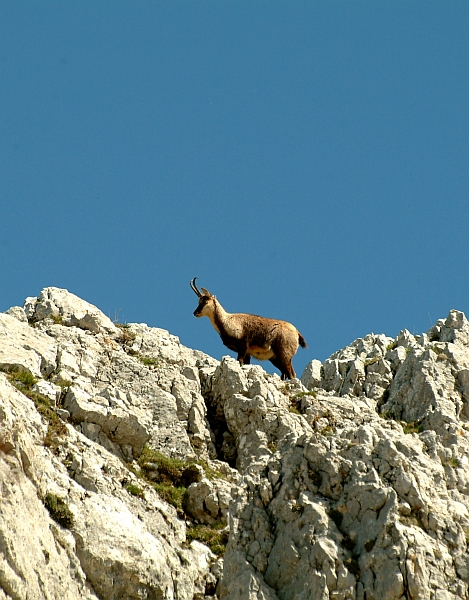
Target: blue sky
(306, 160)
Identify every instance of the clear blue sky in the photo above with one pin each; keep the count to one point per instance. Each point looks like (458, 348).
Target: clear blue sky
(307, 160)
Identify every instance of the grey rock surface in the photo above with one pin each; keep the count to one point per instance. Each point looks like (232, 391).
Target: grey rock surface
(349, 484)
(121, 543)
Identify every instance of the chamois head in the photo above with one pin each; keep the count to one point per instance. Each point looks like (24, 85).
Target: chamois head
(206, 301)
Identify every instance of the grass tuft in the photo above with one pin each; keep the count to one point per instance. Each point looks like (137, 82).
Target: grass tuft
(24, 381)
(59, 510)
(413, 427)
(171, 477)
(149, 361)
(214, 536)
(21, 379)
(134, 490)
(127, 336)
(168, 470)
(171, 494)
(311, 393)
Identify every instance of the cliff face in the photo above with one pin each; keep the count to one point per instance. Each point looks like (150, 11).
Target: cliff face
(125, 455)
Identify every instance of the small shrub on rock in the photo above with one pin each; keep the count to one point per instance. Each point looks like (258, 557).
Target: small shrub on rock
(214, 536)
(149, 361)
(59, 510)
(413, 427)
(160, 468)
(127, 336)
(172, 495)
(191, 474)
(24, 381)
(134, 490)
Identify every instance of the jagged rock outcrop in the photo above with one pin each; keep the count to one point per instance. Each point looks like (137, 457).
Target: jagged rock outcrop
(352, 483)
(363, 494)
(113, 388)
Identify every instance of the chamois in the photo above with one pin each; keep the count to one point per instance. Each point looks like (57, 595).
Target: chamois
(250, 335)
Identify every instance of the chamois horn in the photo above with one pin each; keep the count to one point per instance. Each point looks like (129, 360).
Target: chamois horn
(195, 288)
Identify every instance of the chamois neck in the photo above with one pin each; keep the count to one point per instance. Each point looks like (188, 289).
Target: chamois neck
(219, 317)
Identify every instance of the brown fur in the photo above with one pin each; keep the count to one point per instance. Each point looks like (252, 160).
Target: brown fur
(251, 335)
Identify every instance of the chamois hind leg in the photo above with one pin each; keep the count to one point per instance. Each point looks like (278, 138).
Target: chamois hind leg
(285, 369)
(283, 358)
(290, 371)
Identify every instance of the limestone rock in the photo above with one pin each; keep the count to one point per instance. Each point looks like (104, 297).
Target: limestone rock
(68, 309)
(312, 375)
(33, 564)
(359, 368)
(116, 404)
(364, 508)
(350, 484)
(138, 539)
(208, 501)
(25, 348)
(124, 426)
(49, 390)
(18, 312)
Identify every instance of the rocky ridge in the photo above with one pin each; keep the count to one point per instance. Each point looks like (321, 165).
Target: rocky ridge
(351, 483)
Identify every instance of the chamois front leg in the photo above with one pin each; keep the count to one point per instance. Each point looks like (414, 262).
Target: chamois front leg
(243, 357)
(247, 359)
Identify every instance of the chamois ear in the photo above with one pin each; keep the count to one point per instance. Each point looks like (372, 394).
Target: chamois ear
(206, 292)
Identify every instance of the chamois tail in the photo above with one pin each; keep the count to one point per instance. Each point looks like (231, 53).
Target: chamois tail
(301, 340)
